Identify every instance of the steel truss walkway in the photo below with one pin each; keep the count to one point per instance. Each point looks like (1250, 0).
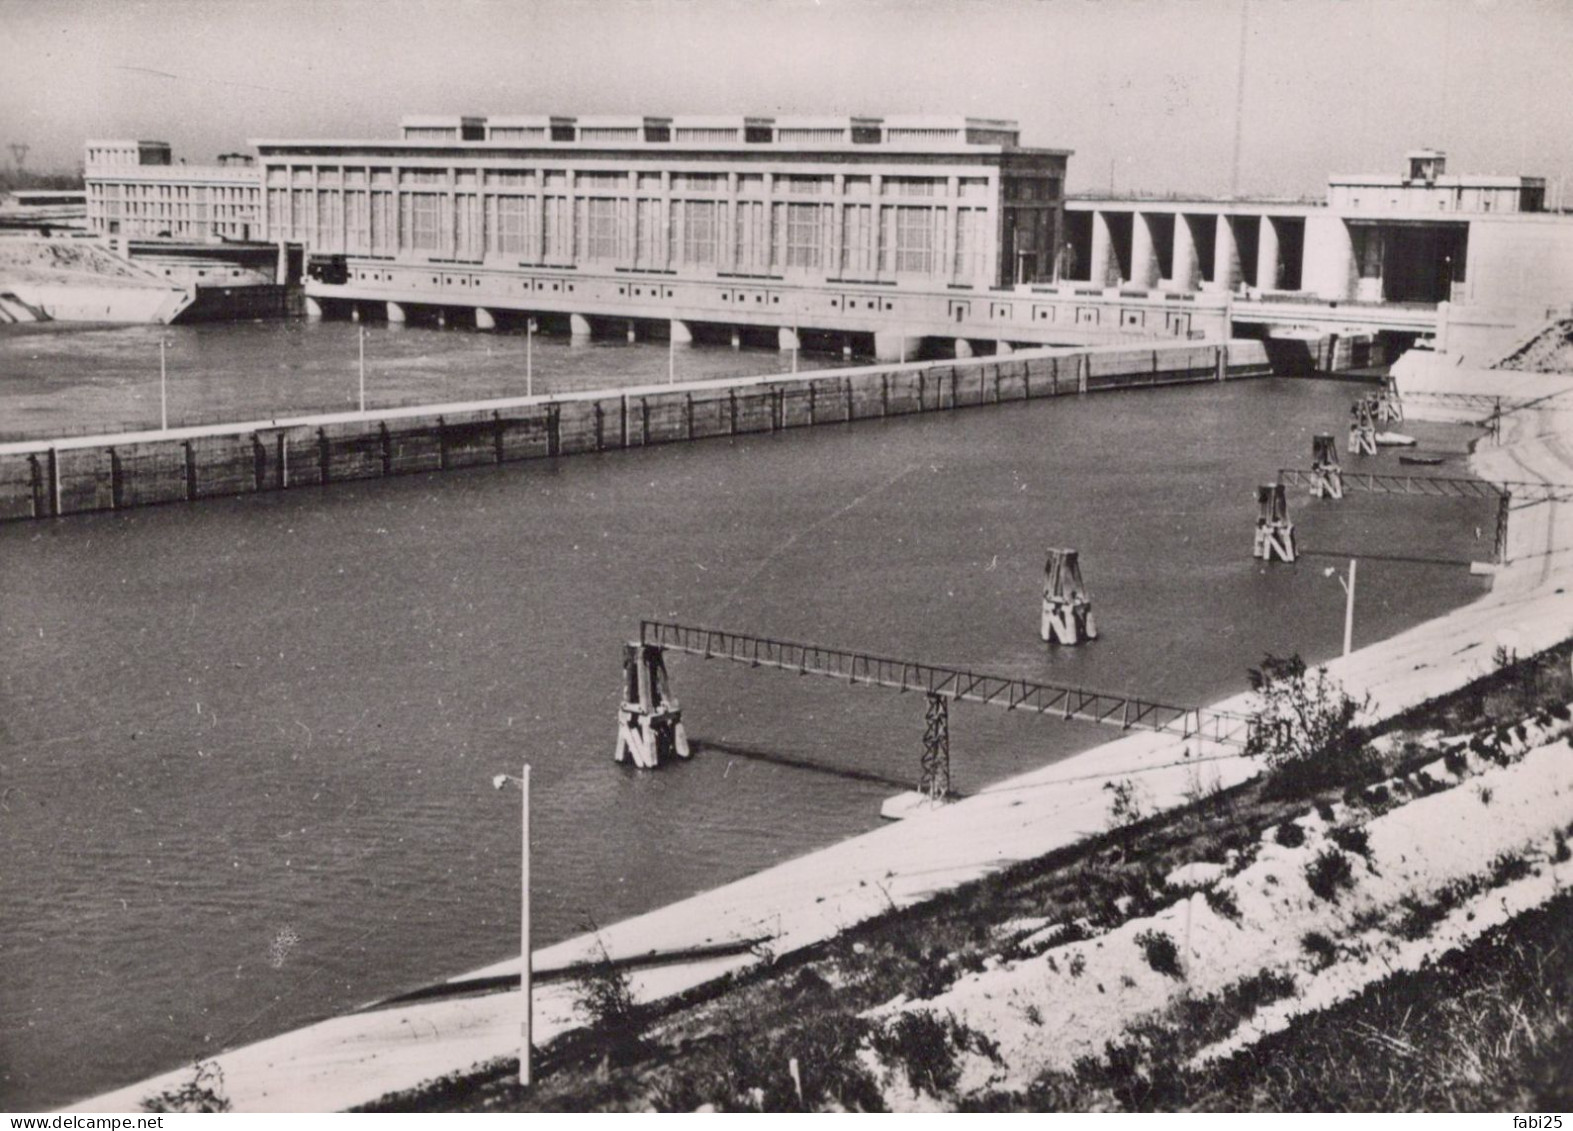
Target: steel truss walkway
(942, 684)
(1505, 492)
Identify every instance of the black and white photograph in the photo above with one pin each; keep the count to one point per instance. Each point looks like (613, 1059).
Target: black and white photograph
(786, 556)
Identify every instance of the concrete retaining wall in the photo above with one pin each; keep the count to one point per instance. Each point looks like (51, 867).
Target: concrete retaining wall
(43, 479)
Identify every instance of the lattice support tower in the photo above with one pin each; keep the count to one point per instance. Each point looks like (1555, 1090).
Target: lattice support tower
(1327, 475)
(1389, 406)
(1274, 531)
(1504, 505)
(1362, 428)
(934, 779)
(1067, 611)
(650, 721)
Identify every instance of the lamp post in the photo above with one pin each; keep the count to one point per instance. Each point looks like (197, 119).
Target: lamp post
(529, 358)
(363, 367)
(1349, 602)
(163, 387)
(671, 359)
(525, 958)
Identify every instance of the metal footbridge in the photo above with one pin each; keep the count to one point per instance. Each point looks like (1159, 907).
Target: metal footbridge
(941, 685)
(1503, 492)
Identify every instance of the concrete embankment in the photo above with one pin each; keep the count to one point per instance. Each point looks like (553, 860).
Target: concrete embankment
(355, 1058)
(51, 478)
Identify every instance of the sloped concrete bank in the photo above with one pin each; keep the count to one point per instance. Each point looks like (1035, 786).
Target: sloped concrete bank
(355, 1058)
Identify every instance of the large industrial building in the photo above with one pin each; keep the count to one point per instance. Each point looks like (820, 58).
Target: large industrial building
(903, 228)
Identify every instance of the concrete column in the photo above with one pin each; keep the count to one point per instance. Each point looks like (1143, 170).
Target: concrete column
(281, 276)
(485, 319)
(1144, 256)
(1102, 251)
(1003, 349)
(889, 345)
(787, 339)
(578, 326)
(963, 348)
(1226, 256)
(682, 333)
(313, 308)
(1185, 265)
(1268, 264)
(1329, 270)
(396, 313)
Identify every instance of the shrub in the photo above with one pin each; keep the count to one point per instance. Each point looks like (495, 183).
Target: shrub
(1125, 804)
(1419, 917)
(925, 1048)
(204, 1092)
(1329, 873)
(1223, 903)
(1319, 947)
(1508, 867)
(605, 994)
(1290, 835)
(1161, 953)
(1325, 811)
(1456, 759)
(1305, 726)
(1352, 838)
(755, 1075)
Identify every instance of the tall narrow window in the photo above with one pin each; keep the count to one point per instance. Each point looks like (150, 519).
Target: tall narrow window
(803, 236)
(699, 232)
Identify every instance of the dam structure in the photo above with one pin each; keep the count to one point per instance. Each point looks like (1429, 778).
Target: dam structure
(940, 235)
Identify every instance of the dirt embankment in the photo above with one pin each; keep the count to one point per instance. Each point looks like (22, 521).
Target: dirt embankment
(38, 260)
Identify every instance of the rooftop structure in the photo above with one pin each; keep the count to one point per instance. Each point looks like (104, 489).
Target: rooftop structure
(1426, 187)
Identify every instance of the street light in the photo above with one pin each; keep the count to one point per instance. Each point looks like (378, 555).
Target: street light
(1349, 603)
(525, 958)
(163, 386)
(363, 367)
(529, 359)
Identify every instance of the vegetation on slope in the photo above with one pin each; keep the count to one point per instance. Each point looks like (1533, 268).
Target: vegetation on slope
(1488, 1027)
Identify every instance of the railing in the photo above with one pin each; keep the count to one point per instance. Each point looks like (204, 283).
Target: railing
(1379, 483)
(855, 668)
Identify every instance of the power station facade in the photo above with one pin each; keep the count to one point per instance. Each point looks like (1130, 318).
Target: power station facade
(906, 228)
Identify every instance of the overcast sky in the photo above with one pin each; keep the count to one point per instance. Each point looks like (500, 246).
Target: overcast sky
(1143, 90)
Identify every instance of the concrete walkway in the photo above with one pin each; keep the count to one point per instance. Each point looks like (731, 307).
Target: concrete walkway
(353, 1059)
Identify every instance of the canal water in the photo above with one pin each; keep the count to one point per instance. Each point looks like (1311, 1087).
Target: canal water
(246, 746)
(57, 379)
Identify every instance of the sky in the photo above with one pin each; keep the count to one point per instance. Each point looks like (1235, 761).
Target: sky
(1145, 91)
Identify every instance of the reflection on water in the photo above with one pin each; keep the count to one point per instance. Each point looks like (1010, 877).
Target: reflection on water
(276, 718)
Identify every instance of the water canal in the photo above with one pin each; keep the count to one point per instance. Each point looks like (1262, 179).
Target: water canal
(246, 745)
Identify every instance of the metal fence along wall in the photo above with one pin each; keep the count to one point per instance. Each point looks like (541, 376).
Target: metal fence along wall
(45, 480)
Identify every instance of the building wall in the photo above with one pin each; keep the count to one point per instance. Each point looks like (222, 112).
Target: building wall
(1525, 262)
(193, 202)
(802, 217)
